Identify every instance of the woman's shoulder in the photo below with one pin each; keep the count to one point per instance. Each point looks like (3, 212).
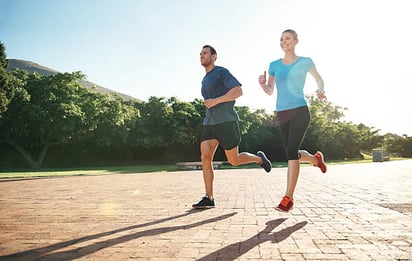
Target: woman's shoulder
(305, 59)
(276, 61)
(275, 64)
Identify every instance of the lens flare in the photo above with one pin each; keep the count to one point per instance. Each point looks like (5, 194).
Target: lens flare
(108, 209)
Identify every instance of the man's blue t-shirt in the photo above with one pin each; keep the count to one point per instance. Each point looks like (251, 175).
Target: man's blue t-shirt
(290, 80)
(216, 83)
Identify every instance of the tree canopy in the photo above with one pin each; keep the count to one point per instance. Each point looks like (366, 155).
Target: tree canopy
(39, 113)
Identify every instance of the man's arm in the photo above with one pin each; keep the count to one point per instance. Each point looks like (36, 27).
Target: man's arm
(231, 95)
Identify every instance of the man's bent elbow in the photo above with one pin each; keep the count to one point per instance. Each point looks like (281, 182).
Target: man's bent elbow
(240, 91)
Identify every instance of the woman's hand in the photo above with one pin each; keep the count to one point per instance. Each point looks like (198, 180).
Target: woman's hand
(321, 94)
(262, 80)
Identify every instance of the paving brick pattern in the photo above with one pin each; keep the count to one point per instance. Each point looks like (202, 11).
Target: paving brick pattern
(354, 212)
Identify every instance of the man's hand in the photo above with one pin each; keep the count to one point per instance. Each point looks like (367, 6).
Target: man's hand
(231, 95)
(209, 103)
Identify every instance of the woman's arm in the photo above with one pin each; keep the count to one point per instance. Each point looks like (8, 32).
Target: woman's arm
(269, 86)
(319, 82)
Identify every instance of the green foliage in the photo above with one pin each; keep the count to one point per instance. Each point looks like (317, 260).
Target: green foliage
(3, 56)
(165, 122)
(259, 132)
(336, 138)
(396, 145)
(109, 119)
(55, 112)
(8, 84)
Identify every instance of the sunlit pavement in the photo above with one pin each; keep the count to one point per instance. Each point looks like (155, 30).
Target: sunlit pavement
(353, 212)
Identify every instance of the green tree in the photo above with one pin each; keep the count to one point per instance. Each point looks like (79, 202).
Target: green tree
(185, 123)
(396, 145)
(324, 128)
(153, 129)
(110, 119)
(369, 138)
(168, 130)
(259, 132)
(338, 139)
(165, 122)
(8, 84)
(48, 113)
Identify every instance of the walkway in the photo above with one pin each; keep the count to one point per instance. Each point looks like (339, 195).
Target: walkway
(354, 212)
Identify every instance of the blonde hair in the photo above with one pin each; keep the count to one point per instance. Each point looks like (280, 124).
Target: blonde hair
(292, 32)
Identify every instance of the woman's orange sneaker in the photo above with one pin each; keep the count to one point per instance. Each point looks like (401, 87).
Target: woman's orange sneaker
(320, 162)
(285, 205)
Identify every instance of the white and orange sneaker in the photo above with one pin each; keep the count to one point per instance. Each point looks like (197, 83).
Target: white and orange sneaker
(320, 162)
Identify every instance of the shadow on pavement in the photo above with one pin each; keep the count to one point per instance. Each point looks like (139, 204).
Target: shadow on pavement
(235, 250)
(41, 253)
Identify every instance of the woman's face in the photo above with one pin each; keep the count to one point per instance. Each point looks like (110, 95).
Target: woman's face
(288, 42)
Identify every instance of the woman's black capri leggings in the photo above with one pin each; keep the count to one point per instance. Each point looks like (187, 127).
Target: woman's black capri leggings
(293, 124)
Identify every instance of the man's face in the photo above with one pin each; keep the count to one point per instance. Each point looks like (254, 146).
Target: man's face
(206, 57)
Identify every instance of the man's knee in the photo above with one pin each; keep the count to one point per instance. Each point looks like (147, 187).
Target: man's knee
(205, 157)
(207, 150)
(233, 161)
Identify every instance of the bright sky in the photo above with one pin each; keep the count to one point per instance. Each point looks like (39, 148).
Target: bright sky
(143, 48)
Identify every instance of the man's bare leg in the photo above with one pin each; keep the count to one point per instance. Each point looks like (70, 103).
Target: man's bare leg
(235, 158)
(207, 152)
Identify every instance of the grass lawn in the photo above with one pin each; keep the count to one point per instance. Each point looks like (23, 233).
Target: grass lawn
(85, 171)
(138, 169)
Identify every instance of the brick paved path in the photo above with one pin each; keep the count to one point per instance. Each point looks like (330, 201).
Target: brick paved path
(354, 212)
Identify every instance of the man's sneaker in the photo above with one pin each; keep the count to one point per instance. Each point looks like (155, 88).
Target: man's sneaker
(285, 205)
(205, 202)
(320, 162)
(266, 164)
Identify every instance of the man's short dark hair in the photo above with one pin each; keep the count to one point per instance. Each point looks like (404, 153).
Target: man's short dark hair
(212, 50)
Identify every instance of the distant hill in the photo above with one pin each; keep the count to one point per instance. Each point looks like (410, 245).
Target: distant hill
(32, 67)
